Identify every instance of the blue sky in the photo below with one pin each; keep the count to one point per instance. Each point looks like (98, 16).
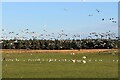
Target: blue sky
(72, 17)
(60, 0)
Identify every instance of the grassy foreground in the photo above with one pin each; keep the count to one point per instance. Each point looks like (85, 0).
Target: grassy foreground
(60, 65)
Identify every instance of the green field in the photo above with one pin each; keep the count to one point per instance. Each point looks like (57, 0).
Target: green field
(59, 65)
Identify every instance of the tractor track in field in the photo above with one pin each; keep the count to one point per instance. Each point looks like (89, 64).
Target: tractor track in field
(56, 51)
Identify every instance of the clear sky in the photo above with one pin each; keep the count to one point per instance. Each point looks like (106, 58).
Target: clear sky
(60, 0)
(72, 17)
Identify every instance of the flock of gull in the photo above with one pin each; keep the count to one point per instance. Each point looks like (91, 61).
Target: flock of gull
(45, 35)
(49, 60)
(103, 19)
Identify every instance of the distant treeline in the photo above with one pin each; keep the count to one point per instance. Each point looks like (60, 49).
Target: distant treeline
(60, 44)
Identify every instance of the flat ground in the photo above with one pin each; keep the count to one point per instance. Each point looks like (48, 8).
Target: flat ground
(101, 63)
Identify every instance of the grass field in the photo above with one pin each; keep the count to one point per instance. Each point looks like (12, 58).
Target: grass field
(60, 64)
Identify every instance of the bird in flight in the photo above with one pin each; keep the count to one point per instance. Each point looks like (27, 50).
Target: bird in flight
(90, 15)
(114, 21)
(111, 18)
(2, 29)
(97, 10)
(103, 19)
